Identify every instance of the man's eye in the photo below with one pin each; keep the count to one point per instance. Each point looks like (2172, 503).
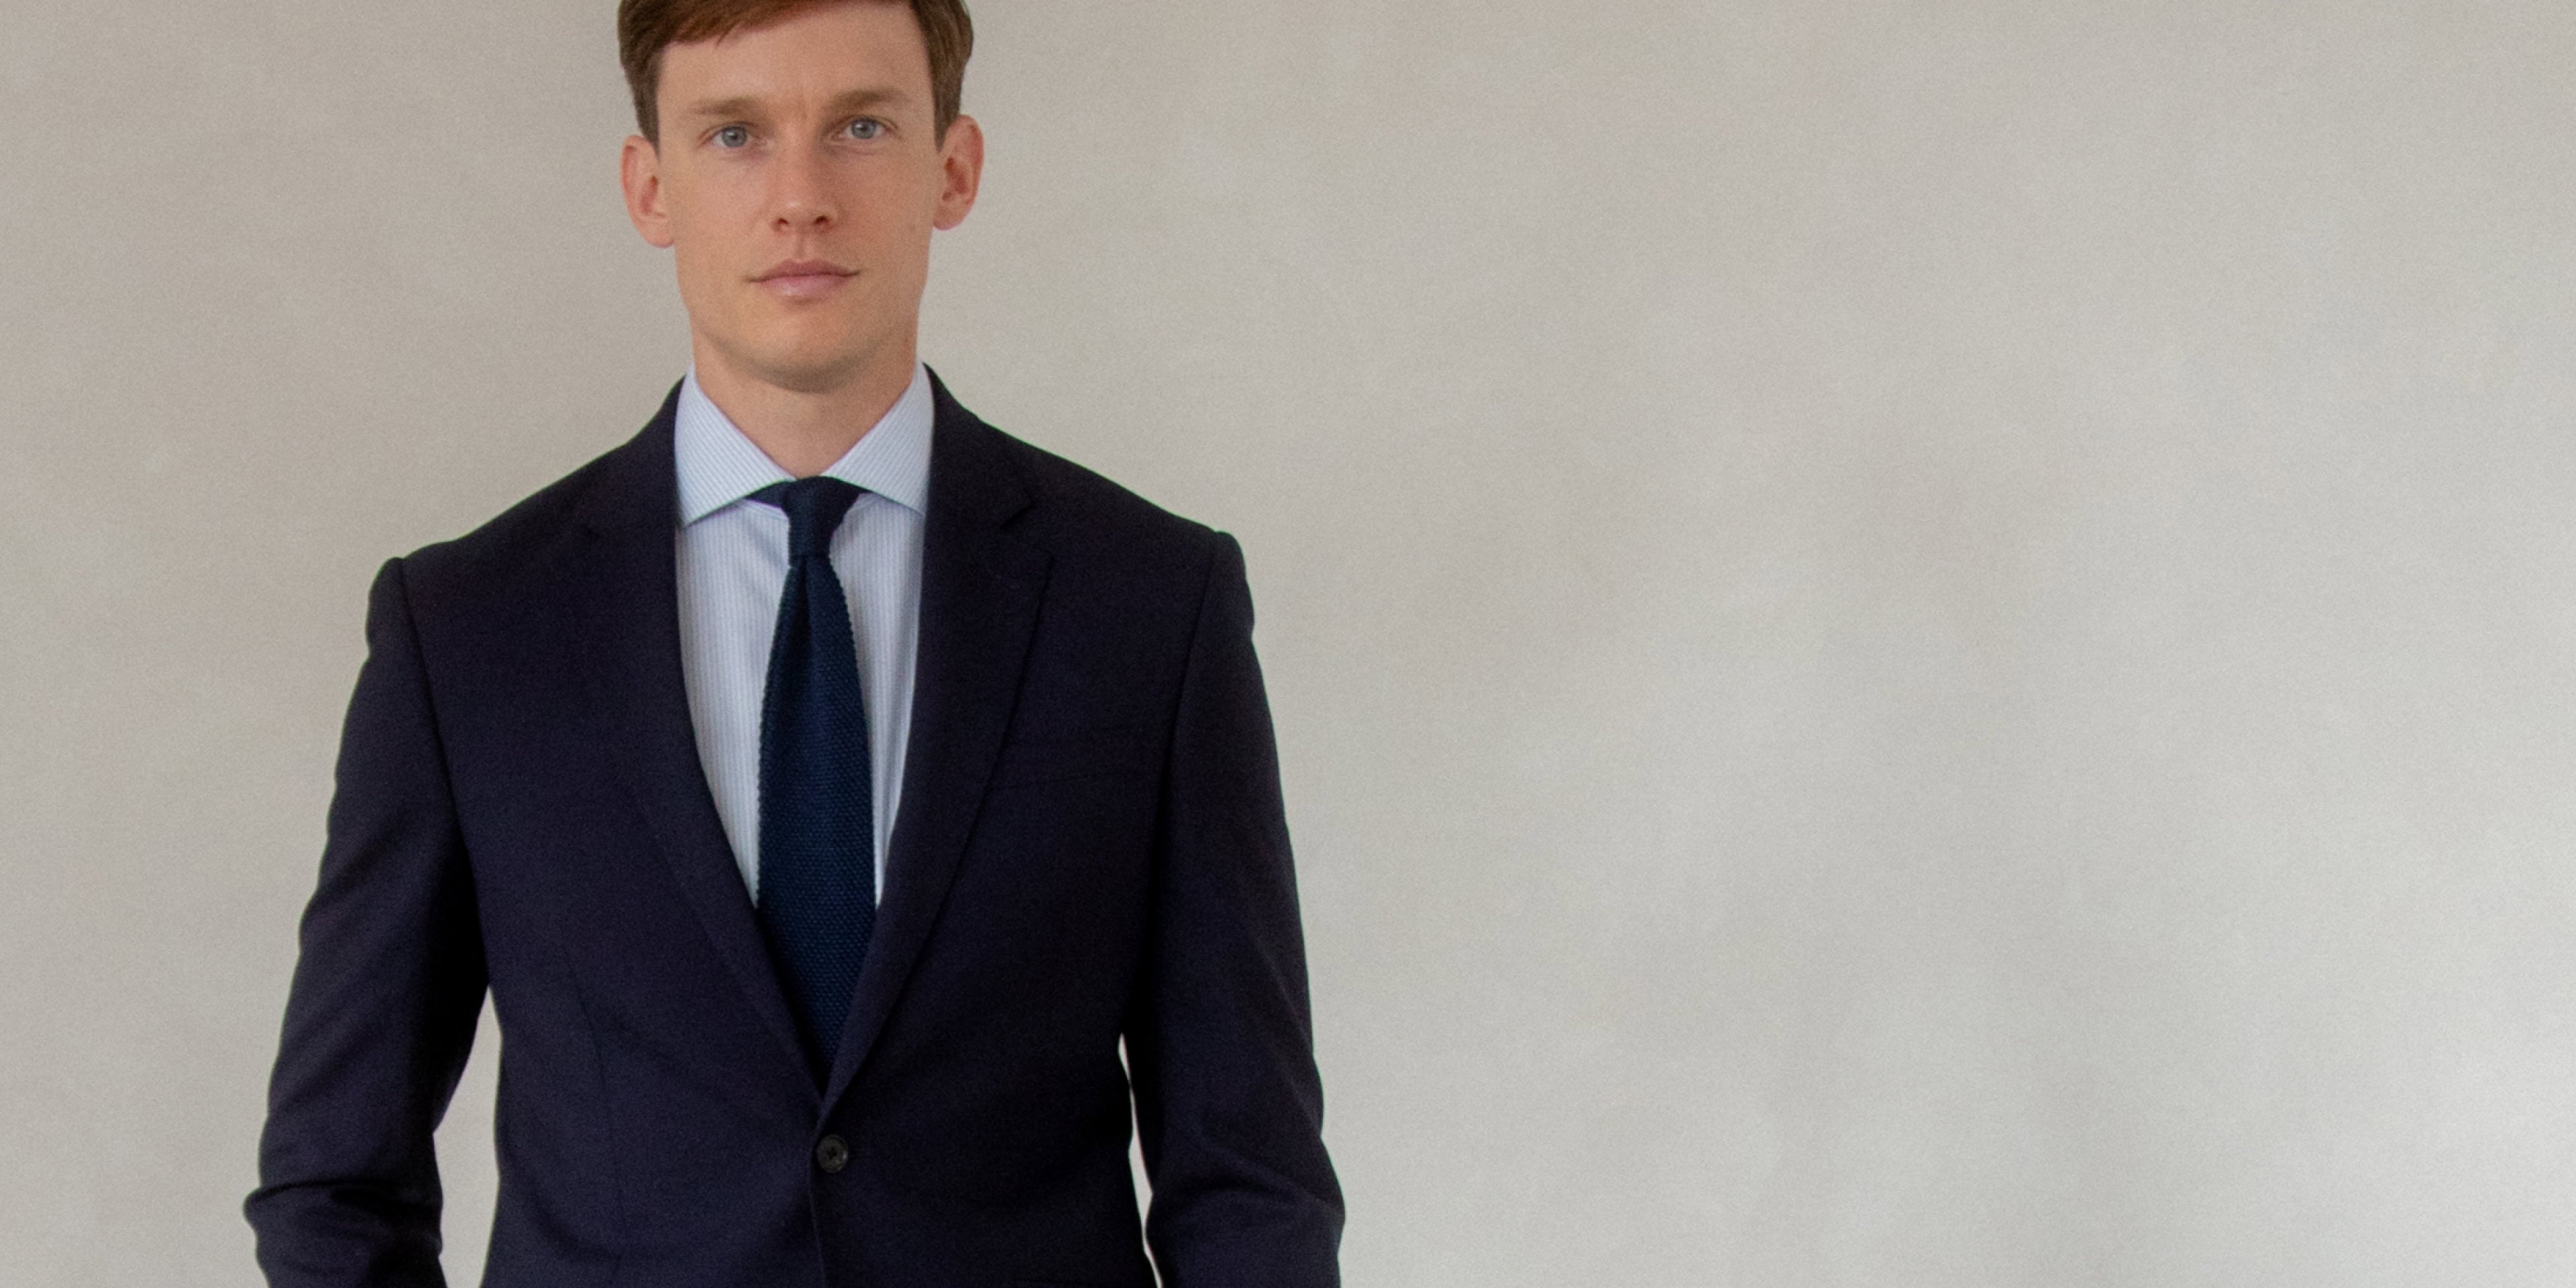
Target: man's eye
(867, 127)
(732, 136)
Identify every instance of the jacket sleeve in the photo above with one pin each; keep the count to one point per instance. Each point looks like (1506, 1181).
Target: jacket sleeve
(388, 985)
(1220, 1044)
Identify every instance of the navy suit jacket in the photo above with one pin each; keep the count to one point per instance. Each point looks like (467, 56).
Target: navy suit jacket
(1090, 848)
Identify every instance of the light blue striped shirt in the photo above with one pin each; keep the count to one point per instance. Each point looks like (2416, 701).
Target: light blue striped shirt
(733, 567)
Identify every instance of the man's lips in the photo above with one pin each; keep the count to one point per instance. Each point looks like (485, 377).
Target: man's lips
(804, 278)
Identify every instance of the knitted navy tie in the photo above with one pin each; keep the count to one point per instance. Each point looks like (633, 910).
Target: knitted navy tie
(817, 824)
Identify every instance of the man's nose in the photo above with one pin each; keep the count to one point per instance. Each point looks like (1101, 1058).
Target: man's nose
(801, 190)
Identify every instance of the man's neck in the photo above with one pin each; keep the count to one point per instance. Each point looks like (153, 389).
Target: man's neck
(804, 431)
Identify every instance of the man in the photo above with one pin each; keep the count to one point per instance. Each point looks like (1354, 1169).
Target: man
(823, 783)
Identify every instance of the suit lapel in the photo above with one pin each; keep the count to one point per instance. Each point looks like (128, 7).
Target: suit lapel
(627, 591)
(980, 590)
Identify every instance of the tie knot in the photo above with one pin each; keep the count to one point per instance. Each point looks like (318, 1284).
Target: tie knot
(814, 509)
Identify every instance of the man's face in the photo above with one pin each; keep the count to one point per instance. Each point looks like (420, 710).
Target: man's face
(797, 182)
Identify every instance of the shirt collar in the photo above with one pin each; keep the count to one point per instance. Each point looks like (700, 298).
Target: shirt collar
(719, 465)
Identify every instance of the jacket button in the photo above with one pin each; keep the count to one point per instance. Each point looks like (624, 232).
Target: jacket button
(832, 1154)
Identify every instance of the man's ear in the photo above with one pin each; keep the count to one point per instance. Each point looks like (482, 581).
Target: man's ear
(639, 172)
(961, 165)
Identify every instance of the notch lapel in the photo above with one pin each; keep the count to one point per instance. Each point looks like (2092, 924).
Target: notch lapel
(627, 592)
(980, 591)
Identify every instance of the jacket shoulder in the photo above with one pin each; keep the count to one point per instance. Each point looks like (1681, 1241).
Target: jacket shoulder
(1079, 512)
(526, 540)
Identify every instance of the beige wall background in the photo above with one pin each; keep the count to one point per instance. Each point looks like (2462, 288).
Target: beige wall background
(1915, 644)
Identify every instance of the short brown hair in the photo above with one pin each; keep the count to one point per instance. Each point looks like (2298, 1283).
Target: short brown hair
(647, 27)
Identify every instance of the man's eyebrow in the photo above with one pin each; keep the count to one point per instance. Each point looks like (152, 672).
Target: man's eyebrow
(739, 106)
(846, 101)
